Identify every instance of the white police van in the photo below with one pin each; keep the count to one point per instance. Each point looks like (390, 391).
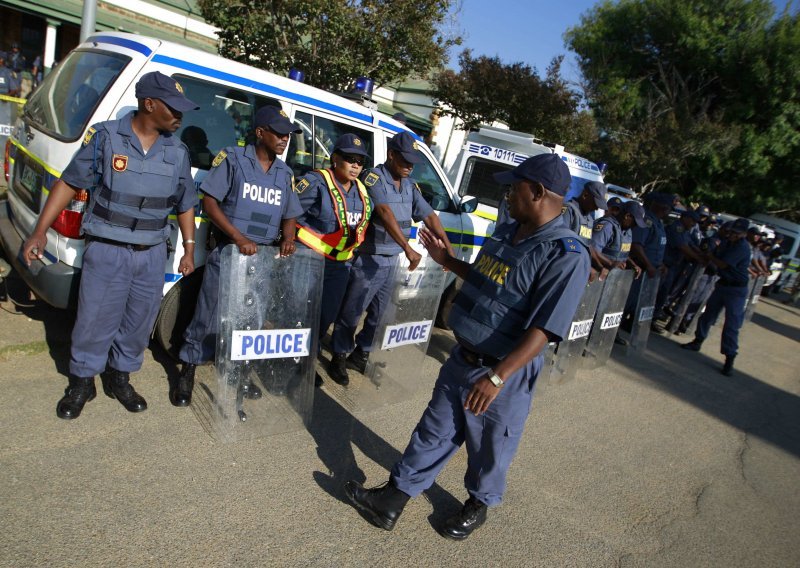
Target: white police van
(95, 82)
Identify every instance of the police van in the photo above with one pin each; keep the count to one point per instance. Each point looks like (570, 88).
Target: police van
(95, 82)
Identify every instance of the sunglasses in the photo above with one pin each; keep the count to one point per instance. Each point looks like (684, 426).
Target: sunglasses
(358, 160)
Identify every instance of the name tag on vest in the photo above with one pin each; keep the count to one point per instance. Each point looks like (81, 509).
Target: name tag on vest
(406, 334)
(262, 194)
(579, 329)
(269, 344)
(611, 320)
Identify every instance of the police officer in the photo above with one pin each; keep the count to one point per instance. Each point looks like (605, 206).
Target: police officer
(521, 292)
(678, 254)
(578, 214)
(732, 259)
(136, 172)
(336, 212)
(248, 197)
(398, 201)
(611, 236)
(7, 84)
(614, 207)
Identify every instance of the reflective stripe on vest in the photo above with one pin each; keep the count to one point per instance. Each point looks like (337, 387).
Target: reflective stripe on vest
(334, 245)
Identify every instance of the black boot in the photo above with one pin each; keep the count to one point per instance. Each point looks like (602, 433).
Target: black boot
(727, 369)
(80, 391)
(358, 359)
(116, 384)
(693, 345)
(460, 526)
(338, 369)
(382, 505)
(250, 391)
(181, 392)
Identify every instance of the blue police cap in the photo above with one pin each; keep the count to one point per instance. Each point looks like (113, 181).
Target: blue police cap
(405, 144)
(400, 117)
(547, 169)
(276, 119)
(156, 85)
(659, 198)
(598, 191)
(703, 211)
(637, 212)
(740, 225)
(350, 144)
(615, 202)
(691, 214)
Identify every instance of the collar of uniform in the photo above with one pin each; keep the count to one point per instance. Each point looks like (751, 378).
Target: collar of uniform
(386, 175)
(125, 128)
(508, 230)
(277, 163)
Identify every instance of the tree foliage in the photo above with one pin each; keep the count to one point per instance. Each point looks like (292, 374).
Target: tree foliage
(334, 41)
(696, 96)
(486, 90)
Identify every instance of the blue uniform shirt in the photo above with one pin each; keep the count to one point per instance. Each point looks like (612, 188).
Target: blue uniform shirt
(319, 212)
(93, 163)
(577, 221)
(253, 200)
(677, 236)
(611, 239)
(652, 238)
(6, 81)
(737, 255)
(407, 204)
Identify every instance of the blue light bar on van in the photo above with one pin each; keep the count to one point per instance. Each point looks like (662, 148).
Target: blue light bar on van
(364, 86)
(297, 75)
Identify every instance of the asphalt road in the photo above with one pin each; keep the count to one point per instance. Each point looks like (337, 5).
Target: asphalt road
(659, 461)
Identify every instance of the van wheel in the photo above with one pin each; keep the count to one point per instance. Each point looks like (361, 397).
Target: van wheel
(176, 312)
(446, 304)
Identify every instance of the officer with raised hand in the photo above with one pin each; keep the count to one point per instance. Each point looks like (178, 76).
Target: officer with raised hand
(136, 173)
(520, 293)
(578, 214)
(611, 237)
(248, 197)
(398, 202)
(732, 259)
(336, 212)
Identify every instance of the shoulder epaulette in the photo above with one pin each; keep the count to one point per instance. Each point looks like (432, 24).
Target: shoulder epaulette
(219, 158)
(571, 244)
(371, 179)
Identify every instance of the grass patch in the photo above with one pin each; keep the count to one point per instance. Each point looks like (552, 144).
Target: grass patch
(32, 348)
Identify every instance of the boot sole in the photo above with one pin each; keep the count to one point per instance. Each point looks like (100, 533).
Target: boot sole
(376, 520)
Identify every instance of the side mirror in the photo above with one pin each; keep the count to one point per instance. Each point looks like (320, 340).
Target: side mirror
(440, 203)
(469, 204)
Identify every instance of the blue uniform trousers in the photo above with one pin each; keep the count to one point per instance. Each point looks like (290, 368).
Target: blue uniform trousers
(492, 439)
(200, 337)
(119, 297)
(334, 286)
(369, 287)
(732, 298)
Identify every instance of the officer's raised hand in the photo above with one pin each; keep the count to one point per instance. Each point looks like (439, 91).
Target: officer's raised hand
(434, 245)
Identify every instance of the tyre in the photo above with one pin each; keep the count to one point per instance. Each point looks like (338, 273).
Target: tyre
(177, 309)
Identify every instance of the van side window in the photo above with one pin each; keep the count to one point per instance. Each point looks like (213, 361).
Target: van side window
(478, 181)
(225, 118)
(311, 149)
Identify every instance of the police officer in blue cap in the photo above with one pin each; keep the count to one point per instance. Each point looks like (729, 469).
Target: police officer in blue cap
(578, 215)
(7, 85)
(611, 236)
(398, 202)
(520, 293)
(679, 252)
(732, 259)
(336, 212)
(248, 197)
(136, 173)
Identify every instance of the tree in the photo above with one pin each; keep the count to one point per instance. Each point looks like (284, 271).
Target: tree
(486, 90)
(334, 41)
(696, 96)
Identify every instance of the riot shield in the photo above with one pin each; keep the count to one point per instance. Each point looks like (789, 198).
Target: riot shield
(268, 318)
(755, 294)
(9, 110)
(643, 316)
(608, 318)
(393, 371)
(567, 357)
(680, 309)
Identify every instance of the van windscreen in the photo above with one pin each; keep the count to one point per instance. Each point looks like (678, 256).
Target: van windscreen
(66, 99)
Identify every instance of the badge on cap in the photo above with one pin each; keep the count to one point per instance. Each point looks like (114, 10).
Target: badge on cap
(301, 186)
(89, 134)
(415, 145)
(178, 87)
(119, 162)
(282, 113)
(219, 158)
(356, 142)
(371, 179)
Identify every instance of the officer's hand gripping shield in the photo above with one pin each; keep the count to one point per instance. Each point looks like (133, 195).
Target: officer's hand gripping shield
(394, 369)
(266, 346)
(643, 315)
(608, 318)
(686, 299)
(755, 293)
(567, 357)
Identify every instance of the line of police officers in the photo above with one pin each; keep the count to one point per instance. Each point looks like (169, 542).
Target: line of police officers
(520, 294)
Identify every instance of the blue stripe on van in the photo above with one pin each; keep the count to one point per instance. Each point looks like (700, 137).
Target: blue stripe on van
(134, 45)
(208, 72)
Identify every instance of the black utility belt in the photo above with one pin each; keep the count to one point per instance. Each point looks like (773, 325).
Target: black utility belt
(731, 283)
(477, 359)
(92, 238)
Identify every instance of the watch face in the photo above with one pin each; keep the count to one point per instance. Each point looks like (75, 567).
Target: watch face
(496, 381)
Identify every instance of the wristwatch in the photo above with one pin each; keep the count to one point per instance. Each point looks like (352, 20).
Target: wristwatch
(496, 380)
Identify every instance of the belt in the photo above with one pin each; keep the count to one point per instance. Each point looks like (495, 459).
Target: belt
(731, 283)
(477, 359)
(121, 244)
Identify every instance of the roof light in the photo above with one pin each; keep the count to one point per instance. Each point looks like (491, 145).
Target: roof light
(297, 75)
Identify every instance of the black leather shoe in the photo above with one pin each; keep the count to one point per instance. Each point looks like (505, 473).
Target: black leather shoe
(358, 360)
(619, 340)
(317, 380)
(181, 393)
(657, 329)
(80, 391)
(116, 384)
(381, 505)
(337, 369)
(727, 369)
(250, 391)
(693, 345)
(460, 526)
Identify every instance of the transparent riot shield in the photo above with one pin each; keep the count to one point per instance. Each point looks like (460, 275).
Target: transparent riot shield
(608, 318)
(567, 357)
(268, 319)
(686, 299)
(643, 316)
(755, 294)
(9, 110)
(393, 371)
